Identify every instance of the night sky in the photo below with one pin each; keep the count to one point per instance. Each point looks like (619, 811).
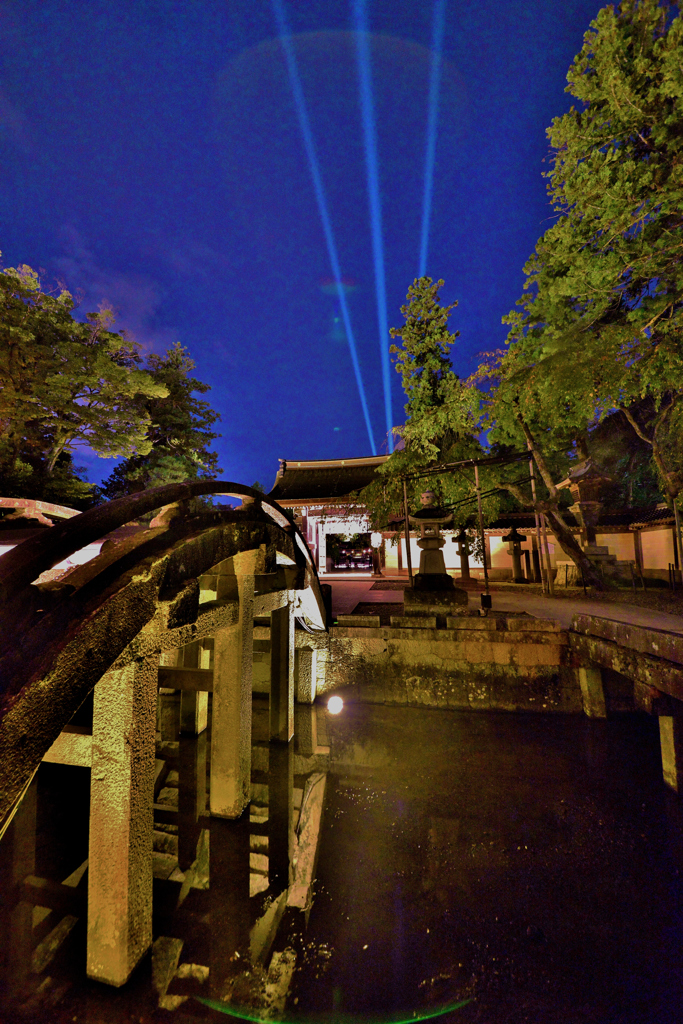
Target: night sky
(151, 157)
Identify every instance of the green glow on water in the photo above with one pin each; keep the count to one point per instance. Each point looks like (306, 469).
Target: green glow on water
(335, 1018)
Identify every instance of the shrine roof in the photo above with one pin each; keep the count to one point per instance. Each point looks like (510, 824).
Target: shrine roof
(328, 480)
(627, 518)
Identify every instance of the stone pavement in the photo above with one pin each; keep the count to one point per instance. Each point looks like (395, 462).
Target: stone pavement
(346, 594)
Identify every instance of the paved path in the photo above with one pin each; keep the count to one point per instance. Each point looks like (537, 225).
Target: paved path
(347, 593)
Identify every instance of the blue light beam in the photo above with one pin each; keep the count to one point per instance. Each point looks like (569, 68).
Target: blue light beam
(432, 118)
(309, 146)
(372, 165)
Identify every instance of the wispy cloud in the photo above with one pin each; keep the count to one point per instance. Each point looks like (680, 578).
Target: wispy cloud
(135, 299)
(198, 260)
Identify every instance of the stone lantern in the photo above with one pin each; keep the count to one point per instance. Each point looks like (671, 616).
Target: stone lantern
(585, 482)
(433, 592)
(514, 541)
(376, 544)
(463, 542)
(430, 518)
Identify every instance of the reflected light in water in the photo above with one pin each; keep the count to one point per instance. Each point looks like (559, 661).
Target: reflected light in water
(334, 705)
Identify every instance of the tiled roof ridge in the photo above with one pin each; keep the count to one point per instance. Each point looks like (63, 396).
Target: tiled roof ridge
(312, 464)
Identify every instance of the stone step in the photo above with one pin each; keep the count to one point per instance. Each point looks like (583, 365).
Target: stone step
(359, 621)
(165, 842)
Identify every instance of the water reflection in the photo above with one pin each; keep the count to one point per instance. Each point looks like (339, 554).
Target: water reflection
(528, 864)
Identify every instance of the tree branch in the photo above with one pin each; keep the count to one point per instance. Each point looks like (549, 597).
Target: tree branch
(538, 457)
(629, 416)
(517, 493)
(657, 317)
(663, 413)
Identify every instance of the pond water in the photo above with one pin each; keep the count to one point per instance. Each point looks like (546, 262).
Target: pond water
(525, 865)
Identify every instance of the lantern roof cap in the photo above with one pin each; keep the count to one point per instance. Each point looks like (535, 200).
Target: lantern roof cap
(513, 536)
(430, 514)
(583, 472)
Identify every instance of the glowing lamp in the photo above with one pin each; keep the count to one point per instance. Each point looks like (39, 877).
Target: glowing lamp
(334, 705)
(376, 539)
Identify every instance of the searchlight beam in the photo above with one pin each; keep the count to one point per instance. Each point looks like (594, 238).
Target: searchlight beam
(309, 146)
(372, 165)
(432, 118)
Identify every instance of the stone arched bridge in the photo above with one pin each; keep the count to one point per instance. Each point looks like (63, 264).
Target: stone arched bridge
(114, 625)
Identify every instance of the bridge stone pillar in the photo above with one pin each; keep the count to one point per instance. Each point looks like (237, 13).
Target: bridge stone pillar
(230, 914)
(306, 732)
(121, 821)
(230, 789)
(306, 666)
(282, 673)
(280, 811)
(592, 691)
(17, 860)
(191, 796)
(671, 742)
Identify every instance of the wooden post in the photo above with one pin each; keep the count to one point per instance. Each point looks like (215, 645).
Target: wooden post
(407, 528)
(592, 691)
(671, 743)
(481, 526)
(544, 577)
(191, 796)
(551, 582)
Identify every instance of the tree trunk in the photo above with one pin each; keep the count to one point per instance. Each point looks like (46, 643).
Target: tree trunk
(56, 451)
(565, 538)
(563, 535)
(673, 484)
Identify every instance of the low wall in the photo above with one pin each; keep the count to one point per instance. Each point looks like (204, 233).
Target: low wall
(493, 663)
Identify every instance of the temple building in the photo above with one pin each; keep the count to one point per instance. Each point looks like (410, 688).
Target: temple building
(320, 494)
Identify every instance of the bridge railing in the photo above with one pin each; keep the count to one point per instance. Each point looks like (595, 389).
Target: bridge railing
(24, 563)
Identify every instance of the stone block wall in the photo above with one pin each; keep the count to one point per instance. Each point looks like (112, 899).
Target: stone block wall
(493, 664)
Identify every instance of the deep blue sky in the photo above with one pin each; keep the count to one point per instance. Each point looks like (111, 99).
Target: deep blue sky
(150, 157)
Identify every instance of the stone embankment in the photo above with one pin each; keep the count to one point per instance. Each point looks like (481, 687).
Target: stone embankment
(499, 662)
(481, 663)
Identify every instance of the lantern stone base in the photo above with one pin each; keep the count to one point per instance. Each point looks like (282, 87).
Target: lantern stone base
(421, 602)
(433, 581)
(431, 557)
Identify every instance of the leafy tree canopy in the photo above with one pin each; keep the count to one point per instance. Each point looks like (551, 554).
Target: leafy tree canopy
(179, 432)
(600, 324)
(63, 384)
(442, 414)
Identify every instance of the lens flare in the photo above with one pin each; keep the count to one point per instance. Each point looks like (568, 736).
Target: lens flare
(309, 146)
(333, 1017)
(334, 705)
(432, 116)
(372, 165)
